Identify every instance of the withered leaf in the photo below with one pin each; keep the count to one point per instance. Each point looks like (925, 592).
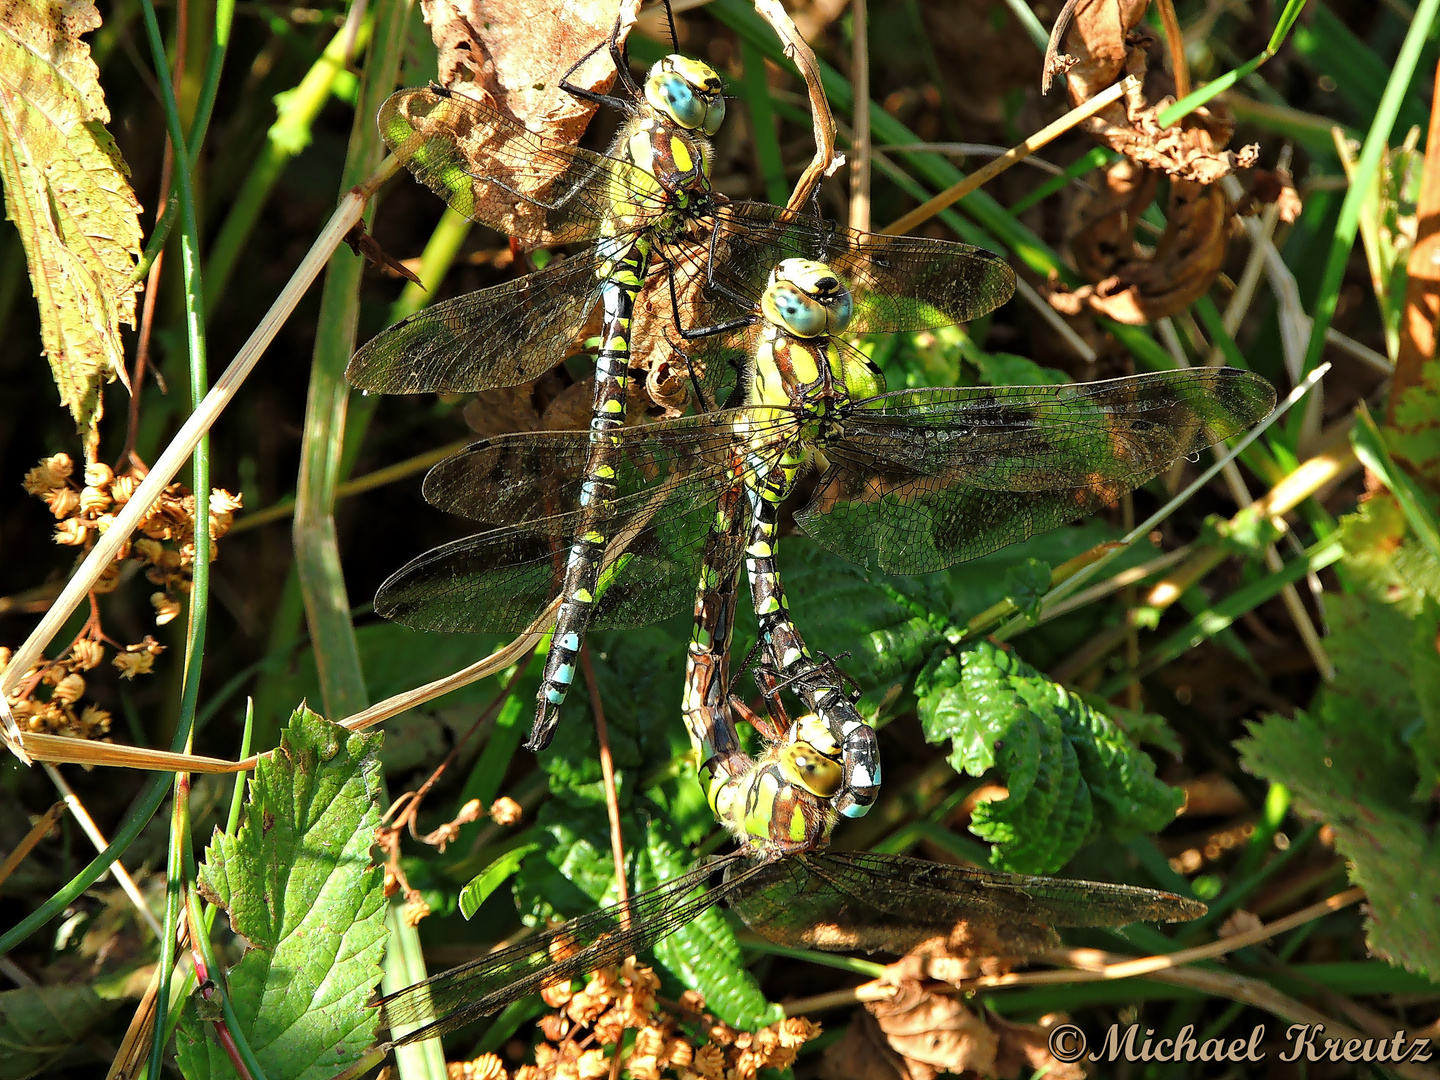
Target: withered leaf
(1104, 41)
(513, 53)
(1135, 286)
(68, 192)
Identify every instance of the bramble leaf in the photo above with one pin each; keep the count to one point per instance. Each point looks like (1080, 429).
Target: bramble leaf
(1070, 771)
(299, 885)
(1365, 756)
(68, 192)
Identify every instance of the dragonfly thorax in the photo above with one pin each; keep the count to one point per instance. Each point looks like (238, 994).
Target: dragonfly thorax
(679, 160)
(688, 92)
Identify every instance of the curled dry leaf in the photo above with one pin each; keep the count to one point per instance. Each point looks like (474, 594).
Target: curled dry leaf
(68, 192)
(1102, 43)
(512, 54)
(1133, 285)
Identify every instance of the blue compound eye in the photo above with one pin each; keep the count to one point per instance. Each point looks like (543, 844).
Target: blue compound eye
(671, 94)
(793, 311)
(842, 308)
(714, 116)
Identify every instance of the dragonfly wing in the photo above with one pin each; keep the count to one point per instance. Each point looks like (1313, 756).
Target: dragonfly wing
(501, 336)
(898, 282)
(862, 901)
(498, 172)
(451, 999)
(668, 478)
(923, 479)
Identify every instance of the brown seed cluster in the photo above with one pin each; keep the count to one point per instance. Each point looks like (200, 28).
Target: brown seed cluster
(165, 541)
(47, 699)
(618, 1001)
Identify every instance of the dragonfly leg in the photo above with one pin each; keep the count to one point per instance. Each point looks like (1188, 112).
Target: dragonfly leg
(582, 571)
(622, 69)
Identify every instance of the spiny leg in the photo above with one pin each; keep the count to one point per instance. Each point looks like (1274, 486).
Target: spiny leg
(582, 571)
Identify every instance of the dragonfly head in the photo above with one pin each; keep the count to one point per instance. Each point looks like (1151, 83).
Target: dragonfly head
(688, 92)
(802, 764)
(807, 299)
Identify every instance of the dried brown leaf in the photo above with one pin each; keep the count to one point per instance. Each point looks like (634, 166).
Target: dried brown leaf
(512, 54)
(1103, 42)
(1135, 286)
(935, 1033)
(68, 192)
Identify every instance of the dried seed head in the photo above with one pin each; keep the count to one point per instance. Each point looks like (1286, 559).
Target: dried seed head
(484, 1067)
(468, 813)
(679, 1053)
(709, 1062)
(554, 1026)
(148, 550)
(130, 664)
(62, 501)
(86, 654)
(166, 609)
(71, 532)
(505, 811)
(70, 689)
(98, 474)
(556, 994)
(414, 910)
(592, 1065)
(93, 500)
(94, 722)
(52, 472)
(122, 487)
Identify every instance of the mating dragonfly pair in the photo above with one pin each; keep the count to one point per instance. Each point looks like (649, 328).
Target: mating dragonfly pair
(621, 522)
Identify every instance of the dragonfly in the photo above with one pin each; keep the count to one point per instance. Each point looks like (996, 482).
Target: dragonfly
(837, 901)
(909, 482)
(512, 332)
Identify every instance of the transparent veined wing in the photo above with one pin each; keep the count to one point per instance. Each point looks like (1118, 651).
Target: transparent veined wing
(898, 283)
(923, 479)
(454, 998)
(496, 171)
(865, 902)
(501, 336)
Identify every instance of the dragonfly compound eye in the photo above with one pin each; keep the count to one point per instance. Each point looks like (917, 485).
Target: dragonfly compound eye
(688, 92)
(802, 764)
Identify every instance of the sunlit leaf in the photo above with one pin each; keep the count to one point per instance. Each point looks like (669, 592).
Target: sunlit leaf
(300, 886)
(68, 192)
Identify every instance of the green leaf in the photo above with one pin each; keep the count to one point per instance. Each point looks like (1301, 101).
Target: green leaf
(704, 954)
(1070, 771)
(1341, 769)
(478, 889)
(67, 190)
(299, 885)
(40, 1024)
(1026, 584)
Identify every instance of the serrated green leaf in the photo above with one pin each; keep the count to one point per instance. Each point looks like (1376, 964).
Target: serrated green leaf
(1069, 769)
(299, 885)
(704, 954)
(1341, 772)
(478, 889)
(67, 190)
(40, 1024)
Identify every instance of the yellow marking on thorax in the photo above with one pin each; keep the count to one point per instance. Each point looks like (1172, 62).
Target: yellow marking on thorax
(681, 152)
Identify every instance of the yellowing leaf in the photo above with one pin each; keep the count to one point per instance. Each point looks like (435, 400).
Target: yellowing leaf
(67, 191)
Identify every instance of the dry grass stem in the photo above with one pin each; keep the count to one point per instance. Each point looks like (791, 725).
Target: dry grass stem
(96, 837)
(802, 56)
(37, 833)
(1045, 135)
(607, 770)
(1175, 42)
(860, 145)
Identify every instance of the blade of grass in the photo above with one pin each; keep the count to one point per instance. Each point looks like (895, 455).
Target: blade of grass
(290, 133)
(1376, 141)
(756, 91)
